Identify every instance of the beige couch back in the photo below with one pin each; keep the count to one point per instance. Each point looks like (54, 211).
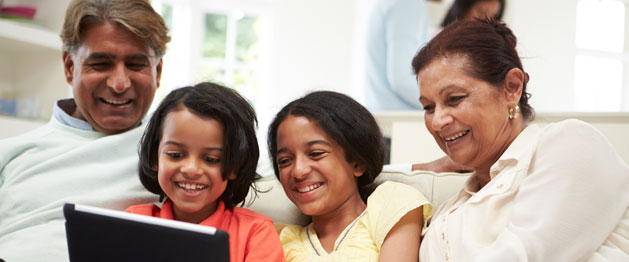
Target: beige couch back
(437, 187)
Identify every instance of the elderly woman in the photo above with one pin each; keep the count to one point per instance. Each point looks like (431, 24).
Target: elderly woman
(557, 193)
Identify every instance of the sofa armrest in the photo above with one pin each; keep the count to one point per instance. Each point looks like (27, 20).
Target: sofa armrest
(436, 187)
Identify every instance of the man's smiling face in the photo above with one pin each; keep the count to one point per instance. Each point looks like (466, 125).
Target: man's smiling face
(114, 76)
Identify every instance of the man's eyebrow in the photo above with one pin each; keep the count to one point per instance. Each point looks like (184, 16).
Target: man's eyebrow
(141, 57)
(98, 56)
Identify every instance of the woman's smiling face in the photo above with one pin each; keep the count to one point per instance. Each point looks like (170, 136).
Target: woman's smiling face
(466, 116)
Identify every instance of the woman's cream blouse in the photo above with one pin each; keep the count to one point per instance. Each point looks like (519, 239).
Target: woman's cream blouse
(558, 193)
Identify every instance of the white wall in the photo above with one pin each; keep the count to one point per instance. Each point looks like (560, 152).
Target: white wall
(546, 44)
(312, 48)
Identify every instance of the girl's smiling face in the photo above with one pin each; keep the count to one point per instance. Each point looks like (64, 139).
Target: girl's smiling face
(313, 169)
(190, 164)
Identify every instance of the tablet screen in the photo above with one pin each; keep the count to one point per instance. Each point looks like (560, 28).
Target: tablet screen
(98, 234)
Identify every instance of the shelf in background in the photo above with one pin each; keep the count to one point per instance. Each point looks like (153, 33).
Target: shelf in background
(13, 34)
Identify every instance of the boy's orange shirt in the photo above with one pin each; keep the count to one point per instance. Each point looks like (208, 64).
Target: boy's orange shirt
(252, 237)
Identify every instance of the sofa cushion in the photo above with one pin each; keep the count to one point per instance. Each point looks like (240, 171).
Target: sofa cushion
(273, 203)
(436, 187)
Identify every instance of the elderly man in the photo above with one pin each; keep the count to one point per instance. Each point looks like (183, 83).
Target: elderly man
(87, 152)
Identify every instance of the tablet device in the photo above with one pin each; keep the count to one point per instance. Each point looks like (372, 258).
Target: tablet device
(98, 234)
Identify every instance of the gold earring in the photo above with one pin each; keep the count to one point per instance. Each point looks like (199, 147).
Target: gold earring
(514, 112)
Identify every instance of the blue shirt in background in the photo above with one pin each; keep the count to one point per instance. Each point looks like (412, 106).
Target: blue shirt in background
(396, 30)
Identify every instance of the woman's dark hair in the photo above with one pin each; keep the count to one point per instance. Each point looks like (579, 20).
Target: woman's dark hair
(240, 146)
(348, 123)
(489, 47)
(460, 8)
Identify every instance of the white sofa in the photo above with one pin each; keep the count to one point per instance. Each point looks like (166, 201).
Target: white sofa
(437, 187)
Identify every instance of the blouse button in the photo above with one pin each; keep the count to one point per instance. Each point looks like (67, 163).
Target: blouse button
(500, 186)
(443, 235)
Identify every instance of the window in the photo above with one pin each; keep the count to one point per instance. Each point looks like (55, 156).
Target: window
(222, 41)
(598, 83)
(231, 51)
(599, 70)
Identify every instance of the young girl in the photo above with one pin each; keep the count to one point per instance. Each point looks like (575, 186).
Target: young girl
(327, 150)
(200, 152)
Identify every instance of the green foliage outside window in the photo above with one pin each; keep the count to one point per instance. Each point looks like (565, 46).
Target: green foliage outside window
(167, 14)
(247, 39)
(214, 39)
